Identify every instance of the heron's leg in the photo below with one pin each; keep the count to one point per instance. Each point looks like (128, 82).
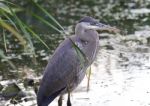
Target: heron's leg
(68, 101)
(60, 100)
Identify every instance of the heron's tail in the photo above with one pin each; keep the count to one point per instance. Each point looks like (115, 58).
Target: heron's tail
(43, 100)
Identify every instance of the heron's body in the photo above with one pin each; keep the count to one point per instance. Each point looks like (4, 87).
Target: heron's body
(65, 69)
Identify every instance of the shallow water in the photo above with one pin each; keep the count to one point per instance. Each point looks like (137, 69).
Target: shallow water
(116, 82)
(119, 77)
(121, 72)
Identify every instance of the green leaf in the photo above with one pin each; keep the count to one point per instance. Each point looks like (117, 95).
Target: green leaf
(4, 6)
(34, 34)
(82, 57)
(49, 15)
(4, 39)
(10, 20)
(26, 34)
(13, 31)
(46, 22)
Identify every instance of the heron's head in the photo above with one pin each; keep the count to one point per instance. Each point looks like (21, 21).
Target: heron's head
(89, 23)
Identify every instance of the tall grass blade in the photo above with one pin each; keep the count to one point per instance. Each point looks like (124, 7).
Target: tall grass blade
(34, 34)
(49, 15)
(82, 57)
(4, 39)
(89, 77)
(46, 22)
(5, 8)
(29, 29)
(13, 31)
(10, 20)
(26, 34)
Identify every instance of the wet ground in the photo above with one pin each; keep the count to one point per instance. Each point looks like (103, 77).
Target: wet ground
(120, 76)
(121, 72)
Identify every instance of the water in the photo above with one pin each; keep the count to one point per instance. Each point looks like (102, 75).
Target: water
(120, 75)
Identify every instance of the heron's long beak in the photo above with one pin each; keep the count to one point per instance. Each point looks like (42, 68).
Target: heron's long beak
(103, 27)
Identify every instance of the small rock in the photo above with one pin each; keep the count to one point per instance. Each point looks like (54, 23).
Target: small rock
(10, 90)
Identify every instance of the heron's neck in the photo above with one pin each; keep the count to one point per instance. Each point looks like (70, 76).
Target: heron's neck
(79, 30)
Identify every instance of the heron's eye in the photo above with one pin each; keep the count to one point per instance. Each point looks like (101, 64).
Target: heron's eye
(84, 42)
(94, 23)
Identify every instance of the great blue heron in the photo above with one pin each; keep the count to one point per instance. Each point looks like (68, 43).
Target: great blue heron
(66, 69)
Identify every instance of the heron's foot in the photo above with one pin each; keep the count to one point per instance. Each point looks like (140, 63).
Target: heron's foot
(60, 101)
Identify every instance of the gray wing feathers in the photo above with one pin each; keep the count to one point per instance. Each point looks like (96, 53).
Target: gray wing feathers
(60, 73)
(60, 70)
